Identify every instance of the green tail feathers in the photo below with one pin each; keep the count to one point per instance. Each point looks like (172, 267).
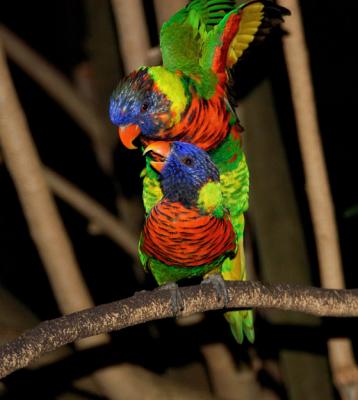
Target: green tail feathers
(241, 325)
(241, 322)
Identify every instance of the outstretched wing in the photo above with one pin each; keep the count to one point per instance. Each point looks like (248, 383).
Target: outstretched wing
(207, 37)
(183, 37)
(230, 39)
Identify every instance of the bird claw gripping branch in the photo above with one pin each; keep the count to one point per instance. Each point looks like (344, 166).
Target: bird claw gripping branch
(177, 302)
(217, 281)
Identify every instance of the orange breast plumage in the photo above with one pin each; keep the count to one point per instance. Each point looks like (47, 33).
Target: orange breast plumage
(180, 236)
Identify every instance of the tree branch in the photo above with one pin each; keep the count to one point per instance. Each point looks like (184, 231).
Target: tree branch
(61, 89)
(154, 305)
(95, 212)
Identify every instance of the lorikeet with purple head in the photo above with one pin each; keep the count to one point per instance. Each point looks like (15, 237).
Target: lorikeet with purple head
(187, 99)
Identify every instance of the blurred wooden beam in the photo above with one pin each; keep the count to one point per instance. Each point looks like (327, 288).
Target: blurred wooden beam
(319, 195)
(229, 382)
(45, 224)
(132, 31)
(279, 235)
(46, 227)
(55, 249)
(59, 87)
(97, 214)
(101, 45)
(165, 9)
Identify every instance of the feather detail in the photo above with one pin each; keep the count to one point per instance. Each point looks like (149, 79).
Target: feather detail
(249, 22)
(152, 193)
(206, 123)
(241, 322)
(180, 236)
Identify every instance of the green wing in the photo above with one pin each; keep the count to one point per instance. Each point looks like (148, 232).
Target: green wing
(235, 186)
(234, 178)
(183, 40)
(183, 36)
(142, 256)
(208, 37)
(152, 193)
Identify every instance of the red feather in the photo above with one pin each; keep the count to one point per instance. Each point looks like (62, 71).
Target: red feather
(176, 235)
(231, 28)
(206, 124)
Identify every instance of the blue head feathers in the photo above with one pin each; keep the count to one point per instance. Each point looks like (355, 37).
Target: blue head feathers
(136, 102)
(184, 169)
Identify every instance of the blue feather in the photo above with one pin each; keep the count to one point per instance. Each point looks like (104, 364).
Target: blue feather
(135, 101)
(187, 169)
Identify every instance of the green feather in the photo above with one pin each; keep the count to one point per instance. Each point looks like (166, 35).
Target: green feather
(187, 42)
(152, 193)
(234, 177)
(164, 273)
(241, 324)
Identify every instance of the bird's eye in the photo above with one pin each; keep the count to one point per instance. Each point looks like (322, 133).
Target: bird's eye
(144, 107)
(187, 161)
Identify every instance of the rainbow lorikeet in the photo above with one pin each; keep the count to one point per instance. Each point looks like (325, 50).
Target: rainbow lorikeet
(189, 232)
(187, 100)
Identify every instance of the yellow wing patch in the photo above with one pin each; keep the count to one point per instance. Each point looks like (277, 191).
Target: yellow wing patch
(251, 18)
(170, 84)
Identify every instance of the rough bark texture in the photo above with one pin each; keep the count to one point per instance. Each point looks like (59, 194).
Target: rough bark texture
(157, 304)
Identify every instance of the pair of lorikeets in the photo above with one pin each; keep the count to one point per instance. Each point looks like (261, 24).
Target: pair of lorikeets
(196, 181)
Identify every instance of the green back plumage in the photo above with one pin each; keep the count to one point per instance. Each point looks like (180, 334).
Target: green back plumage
(187, 41)
(203, 40)
(184, 37)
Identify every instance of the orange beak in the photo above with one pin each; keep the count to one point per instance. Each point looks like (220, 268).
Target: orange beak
(161, 149)
(127, 134)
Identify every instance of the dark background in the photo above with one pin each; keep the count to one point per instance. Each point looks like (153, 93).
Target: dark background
(58, 30)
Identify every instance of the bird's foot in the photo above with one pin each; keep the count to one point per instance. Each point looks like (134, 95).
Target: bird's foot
(175, 295)
(219, 285)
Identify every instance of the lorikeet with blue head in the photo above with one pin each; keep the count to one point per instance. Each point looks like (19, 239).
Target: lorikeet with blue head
(188, 99)
(189, 232)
